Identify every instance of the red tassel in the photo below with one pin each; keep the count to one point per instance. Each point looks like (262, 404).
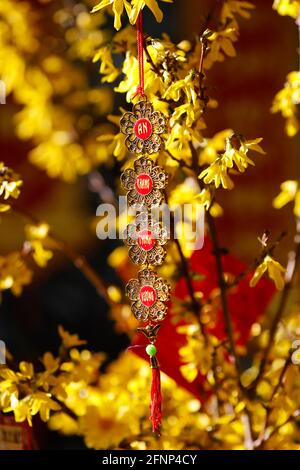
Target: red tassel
(156, 400)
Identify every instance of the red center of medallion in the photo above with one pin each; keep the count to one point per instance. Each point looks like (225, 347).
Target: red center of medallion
(146, 240)
(143, 128)
(143, 184)
(147, 296)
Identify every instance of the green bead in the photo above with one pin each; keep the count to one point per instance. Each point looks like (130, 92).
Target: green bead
(151, 350)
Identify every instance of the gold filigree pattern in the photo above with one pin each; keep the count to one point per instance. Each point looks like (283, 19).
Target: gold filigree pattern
(145, 240)
(144, 183)
(147, 294)
(143, 128)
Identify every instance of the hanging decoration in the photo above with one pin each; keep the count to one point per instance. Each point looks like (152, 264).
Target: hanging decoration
(145, 185)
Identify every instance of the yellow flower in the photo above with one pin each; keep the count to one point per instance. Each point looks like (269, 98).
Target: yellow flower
(21, 410)
(204, 198)
(182, 88)
(287, 100)
(118, 8)
(180, 136)
(196, 354)
(274, 269)
(40, 255)
(26, 370)
(69, 340)
(14, 273)
(217, 173)
(230, 8)
(138, 5)
(50, 363)
(118, 257)
(210, 148)
(41, 403)
(63, 423)
(115, 144)
(10, 183)
(4, 207)
(290, 191)
(35, 235)
(37, 231)
(59, 156)
(236, 151)
(287, 7)
(32, 404)
(107, 68)
(154, 84)
(220, 43)
(102, 426)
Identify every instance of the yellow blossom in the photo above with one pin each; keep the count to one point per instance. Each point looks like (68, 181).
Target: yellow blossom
(60, 157)
(115, 144)
(274, 269)
(217, 173)
(118, 7)
(132, 9)
(4, 207)
(180, 136)
(287, 100)
(138, 5)
(101, 427)
(62, 422)
(14, 273)
(287, 7)
(36, 234)
(197, 354)
(204, 198)
(210, 148)
(50, 363)
(230, 8)
(153, 82)
(236, 150)
(10, 183)
(220, 43)
(107, 68)
(182, 88)
(26, 370)
(69, 340)
(290, 191)
(37, 231)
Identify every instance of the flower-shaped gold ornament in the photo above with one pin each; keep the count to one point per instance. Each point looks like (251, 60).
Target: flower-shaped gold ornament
(145, 239)
(143, 128)
(148, 294)
(144, 183)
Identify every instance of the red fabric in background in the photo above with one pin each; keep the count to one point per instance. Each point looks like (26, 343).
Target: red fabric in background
(246, 306)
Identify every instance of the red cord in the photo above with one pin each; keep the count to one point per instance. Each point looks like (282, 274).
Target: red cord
(140, 47)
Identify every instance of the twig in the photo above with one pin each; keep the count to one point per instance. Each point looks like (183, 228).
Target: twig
(279, 384)
(79, 261)
(65, 409)
(223, 289)
(149, 58)
(281, 377)
(294, 415)
(265, 252)
(292, 266)
(201, 61)
(220, 272)
(196, 305)
(181, 162)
